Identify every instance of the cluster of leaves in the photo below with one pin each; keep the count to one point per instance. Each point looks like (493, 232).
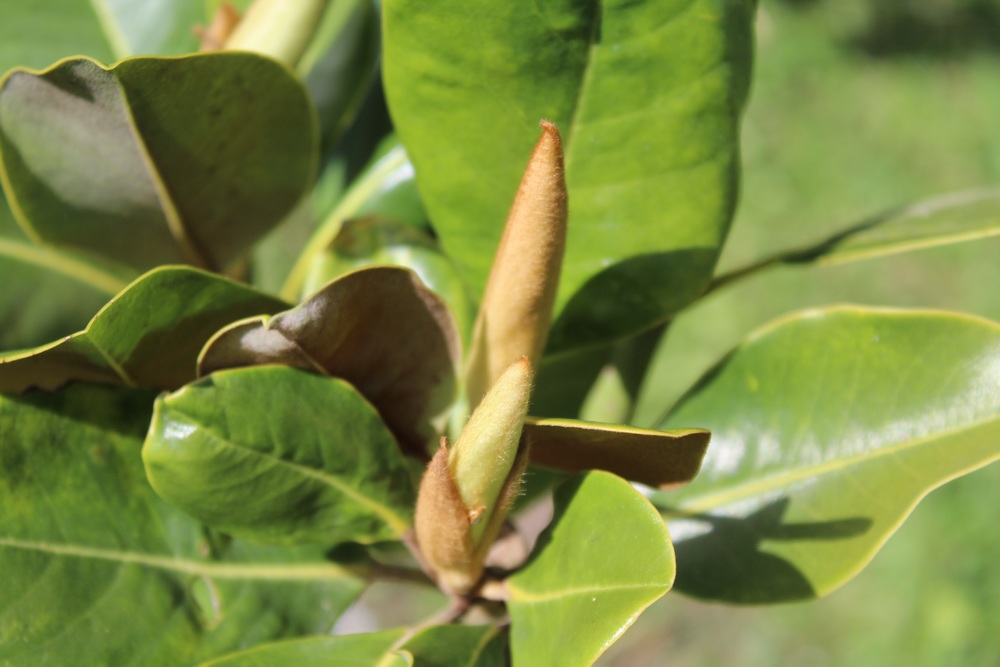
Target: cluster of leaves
(212, 468)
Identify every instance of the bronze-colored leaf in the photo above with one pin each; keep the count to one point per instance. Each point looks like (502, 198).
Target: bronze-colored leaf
(663, 459)
(378, 328)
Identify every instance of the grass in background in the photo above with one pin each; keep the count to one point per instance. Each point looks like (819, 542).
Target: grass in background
(858, 106)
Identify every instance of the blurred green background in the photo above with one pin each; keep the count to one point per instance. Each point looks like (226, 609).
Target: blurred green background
(858, 106)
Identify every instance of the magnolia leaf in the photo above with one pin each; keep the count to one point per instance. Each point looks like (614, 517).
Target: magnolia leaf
(200, 155)
(96, 570)
(651, 171)
(378, 328)
(147, 336)
(360, 650)
(962, 216)
(458, 646)
(665, 459)
(954, 218)
(279, 456)
(828, 427)
(605, 557)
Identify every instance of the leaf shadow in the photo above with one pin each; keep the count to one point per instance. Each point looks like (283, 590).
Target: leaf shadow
(727, 563)
(630, 296)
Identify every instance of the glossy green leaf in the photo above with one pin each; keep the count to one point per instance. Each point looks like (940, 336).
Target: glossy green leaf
(378, 328)
(279, 456)
(378, 241)
(954, 218)
(361, 650)
(651, 170)
(200, 156)
(147, 336)
(605, 557)
(458, 646)
(665, 459)
(96, 570)
(827, 428)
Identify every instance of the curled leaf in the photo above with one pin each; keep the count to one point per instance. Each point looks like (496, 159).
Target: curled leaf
(664, 459)
(378, 328)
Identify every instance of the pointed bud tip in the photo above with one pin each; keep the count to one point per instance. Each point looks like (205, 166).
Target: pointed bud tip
(550, 133)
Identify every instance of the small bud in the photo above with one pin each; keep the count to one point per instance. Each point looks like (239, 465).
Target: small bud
(483, 455)
(442, 526)
(466, 492)
(516, 312)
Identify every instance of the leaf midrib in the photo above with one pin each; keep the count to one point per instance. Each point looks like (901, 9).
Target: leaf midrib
(395, 521)
(218, 570)
(521, 595)
(62, 264)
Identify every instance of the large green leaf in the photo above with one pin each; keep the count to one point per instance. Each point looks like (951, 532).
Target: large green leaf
(603, 560)
(95, 569)
(827, 428)
(360, 650)
(200, 155)
(648, 97)
(378, 328)
(148, 336)
(280, 456)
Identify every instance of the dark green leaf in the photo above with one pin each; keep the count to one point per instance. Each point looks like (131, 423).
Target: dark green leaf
(827, 428)
(378, 328)
(200, 156)
(651, 169)
(148, 336)
(96, 570)
(603, 560)
(280, 456)
(340, 64)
